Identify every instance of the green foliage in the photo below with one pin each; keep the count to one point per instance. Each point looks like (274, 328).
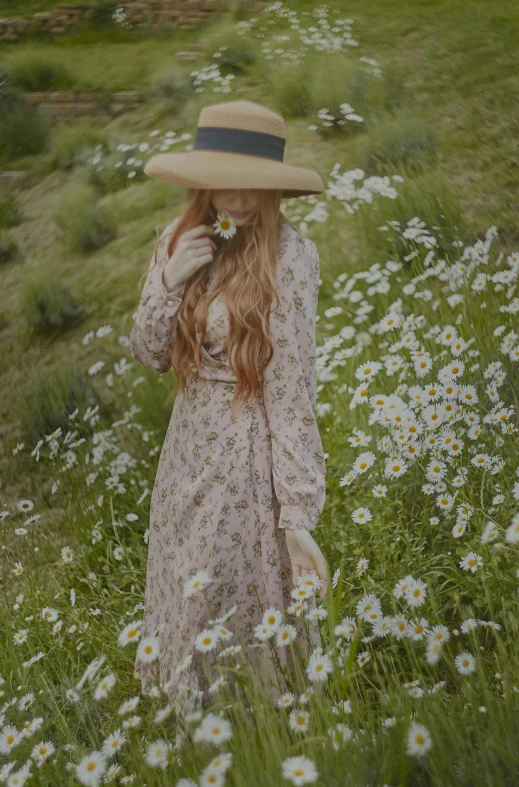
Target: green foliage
(72, 143)
(47, 304)
(428, 195)
(327, 80)
(23, 131)
(236, 52)
(394, 142)
(53, 397)
(101, 12)
(9, 210)
(172, 81)
(8, 247)
(36, 71)
(86, 223)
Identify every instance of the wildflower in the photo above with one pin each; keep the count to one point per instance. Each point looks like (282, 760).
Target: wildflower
(91, 768)
(418, 739)
(512, 532)
(465, 663)
(298, 720)
(206, 640)
(225, 225)
(148, 649)
(285, 700)
(363, 658)
(319, 666)
(104, 686)
(299, 770)
(471, 562)
(272, 619)
(415, 592)
(130, 633)
(213, 729)
(361, 515)
(156, 753)
(286, 633)
(195, 583)
(363, 462)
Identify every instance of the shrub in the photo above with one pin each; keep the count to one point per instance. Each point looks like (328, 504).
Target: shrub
(8, 248)
(235, 52)
(101, 12)
(172, 82)
(52, 399)
(395, 141)
(9, 210)
(85, 223)
(329, 80)
(73, 143)
(47, 304)
(23, 131)
(36, 71)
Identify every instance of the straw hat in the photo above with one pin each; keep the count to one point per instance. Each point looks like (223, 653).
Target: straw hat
(238, 145)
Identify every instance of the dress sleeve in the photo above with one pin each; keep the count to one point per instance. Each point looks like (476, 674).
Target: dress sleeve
(289, 388)
(155, 321)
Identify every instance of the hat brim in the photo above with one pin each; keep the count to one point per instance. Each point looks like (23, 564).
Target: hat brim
(210, 169)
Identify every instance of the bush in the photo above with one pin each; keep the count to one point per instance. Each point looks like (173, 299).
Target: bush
(47, 304)
(8, 248)
(395, 141)
(101, 12)
(23, 131)
(330, 80)
(114, 169)
(172, 82)
(73, 143)
(9, 211)
(35, 71)
(236, 52)
(52, 399)
(85, 223)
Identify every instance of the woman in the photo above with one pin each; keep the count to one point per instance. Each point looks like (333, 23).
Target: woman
(241, 477)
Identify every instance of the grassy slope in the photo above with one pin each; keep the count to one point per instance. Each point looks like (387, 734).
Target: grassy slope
(458, 66)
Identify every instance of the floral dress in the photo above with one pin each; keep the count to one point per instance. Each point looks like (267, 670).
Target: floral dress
(225, 490)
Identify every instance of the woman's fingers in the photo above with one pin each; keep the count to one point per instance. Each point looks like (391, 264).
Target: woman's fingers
(322, 570)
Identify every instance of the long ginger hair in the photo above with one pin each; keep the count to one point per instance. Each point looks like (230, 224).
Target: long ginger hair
(247, 279)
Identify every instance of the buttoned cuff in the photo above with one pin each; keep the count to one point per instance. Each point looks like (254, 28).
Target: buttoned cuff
(169, 300)
(298, 518)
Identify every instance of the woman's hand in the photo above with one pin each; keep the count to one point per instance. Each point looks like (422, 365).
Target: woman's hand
(192, 250)
(305, 555)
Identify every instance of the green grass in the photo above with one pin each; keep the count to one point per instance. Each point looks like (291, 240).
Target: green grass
(457, 66)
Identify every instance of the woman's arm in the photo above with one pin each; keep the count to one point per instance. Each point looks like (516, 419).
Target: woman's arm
(155, 323)
(289, 387)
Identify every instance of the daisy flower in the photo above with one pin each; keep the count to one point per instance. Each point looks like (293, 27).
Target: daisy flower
(465, 663)
(319, 666)
(206, 640)
(299, 770)
(285, 634)
(471, 562)
(213, 729)
(195, 583)
(272, 619)
(418, 739)
(363, 462)
(361, 515)
(415, 592)
(299, 720)
(285, 700)
(225, 225)
(130, 633)
(148, 649)
(91, 768)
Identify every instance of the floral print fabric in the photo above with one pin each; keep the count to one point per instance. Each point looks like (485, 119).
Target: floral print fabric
(225, 490)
